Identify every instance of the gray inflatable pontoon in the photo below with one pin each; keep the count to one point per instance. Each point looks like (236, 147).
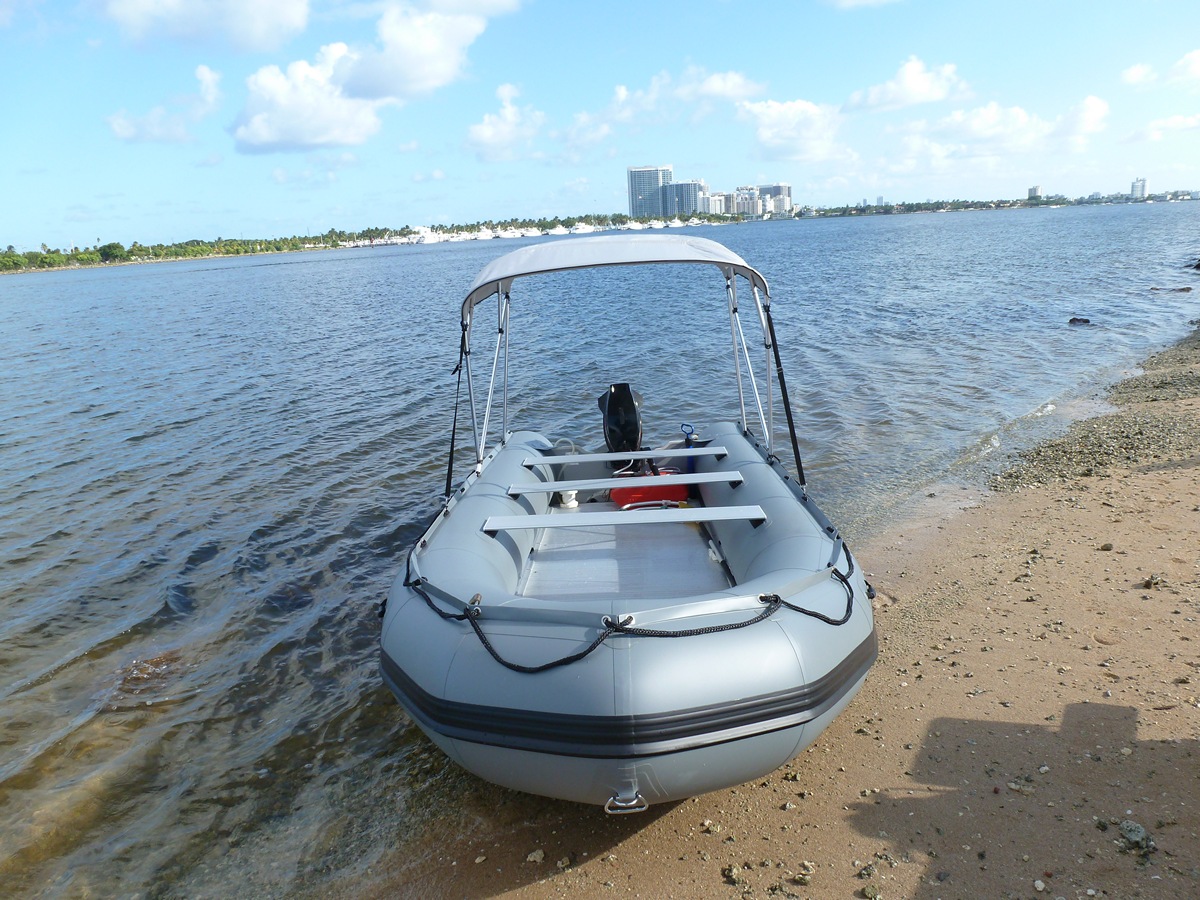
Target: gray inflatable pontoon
(636, 625)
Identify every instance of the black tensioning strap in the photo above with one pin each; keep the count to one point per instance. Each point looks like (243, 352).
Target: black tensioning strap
(783, 395)
(462, 353)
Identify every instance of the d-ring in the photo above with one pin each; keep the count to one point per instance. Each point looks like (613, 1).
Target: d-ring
(615, 806)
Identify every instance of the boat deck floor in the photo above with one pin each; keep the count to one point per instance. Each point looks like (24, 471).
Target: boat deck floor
(653, 561)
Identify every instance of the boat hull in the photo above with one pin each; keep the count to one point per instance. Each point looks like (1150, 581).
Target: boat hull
(607, 760)
(700, 692)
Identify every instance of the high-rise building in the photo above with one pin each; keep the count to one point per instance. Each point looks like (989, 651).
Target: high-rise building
(713, 204)
(746, 202)
(776, 198)
(1137, 190)
(646, 190)
(1035, 192)
(682, 198)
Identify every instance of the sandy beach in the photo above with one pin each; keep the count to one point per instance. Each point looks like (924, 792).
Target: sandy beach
(1032, 726)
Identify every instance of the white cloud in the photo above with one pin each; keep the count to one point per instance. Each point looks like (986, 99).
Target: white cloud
(210, 91)
(664, 98)
(487, 8)
(641, 107)
(504, 135)
(1158, 129)
(913, 84)
(796, 130)
(418, 52)
(157, 126)
(162, 125)
(1086, 118)
(919, 149)
(257, 25)
(587, 132)
(1139, 73)
(1089, 117)
(304, 107)
(1187, 69)
(995, 131)
(335, 100)
(321, 169)
(627, 105)
(698, 83)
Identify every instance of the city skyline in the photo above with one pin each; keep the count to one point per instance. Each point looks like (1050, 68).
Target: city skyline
(654, 193)
(168, 122)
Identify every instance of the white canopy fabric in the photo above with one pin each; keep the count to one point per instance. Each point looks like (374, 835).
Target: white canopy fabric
(605, 250)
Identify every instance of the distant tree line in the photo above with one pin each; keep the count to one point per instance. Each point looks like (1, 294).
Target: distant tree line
(12, 260)
(889, 209)
(886, 209)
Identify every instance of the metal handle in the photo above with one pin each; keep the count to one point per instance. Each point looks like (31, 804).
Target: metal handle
(615, 806)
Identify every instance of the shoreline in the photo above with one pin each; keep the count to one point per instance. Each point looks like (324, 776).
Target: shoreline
(1032, 723)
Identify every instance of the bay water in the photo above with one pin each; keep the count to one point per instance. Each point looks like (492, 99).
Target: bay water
(211, 471)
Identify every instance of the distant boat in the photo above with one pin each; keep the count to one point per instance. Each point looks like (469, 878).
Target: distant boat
(556, 231)
(484, 234)
(675, 223)
(657, 223)
(631, 225)
(582, 228)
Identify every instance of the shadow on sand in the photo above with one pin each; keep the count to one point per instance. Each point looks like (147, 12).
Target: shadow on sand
(985, 809)
(997, 806)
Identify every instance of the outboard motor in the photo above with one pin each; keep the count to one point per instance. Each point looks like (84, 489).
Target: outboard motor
(621, 407)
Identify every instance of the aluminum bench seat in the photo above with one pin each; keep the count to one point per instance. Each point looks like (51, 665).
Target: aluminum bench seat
(600, 484)
(629, 456)
(580, 519)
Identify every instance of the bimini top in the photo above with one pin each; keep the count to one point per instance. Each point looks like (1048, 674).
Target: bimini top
(605, 250)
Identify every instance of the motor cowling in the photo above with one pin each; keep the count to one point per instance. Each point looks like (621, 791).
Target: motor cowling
(621, 408)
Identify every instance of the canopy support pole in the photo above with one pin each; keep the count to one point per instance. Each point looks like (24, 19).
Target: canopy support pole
(731, 293)
(467, 322)
(504, 331)
(767, 344)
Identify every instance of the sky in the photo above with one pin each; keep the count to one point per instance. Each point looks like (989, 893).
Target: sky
(167, 120)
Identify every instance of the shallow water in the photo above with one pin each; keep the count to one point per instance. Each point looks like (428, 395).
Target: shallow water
(212, 470)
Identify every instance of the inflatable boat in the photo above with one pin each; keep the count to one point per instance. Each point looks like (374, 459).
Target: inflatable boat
(635, 624)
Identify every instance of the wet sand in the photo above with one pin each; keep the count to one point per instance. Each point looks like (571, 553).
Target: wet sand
(1032, 726)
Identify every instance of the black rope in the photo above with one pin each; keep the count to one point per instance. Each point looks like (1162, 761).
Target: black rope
(624, 627)
(419, 587)
(845, 580)
(773, 601)
(553, 664)
(783, 393)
